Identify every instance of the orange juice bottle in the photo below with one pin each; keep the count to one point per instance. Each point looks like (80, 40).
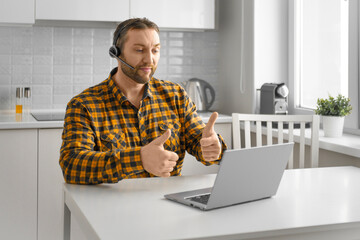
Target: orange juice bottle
(19, 98)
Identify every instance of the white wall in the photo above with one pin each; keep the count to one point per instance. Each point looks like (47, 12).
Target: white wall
(232, 100)
(265, 50)
(59, 62)
(271, 41)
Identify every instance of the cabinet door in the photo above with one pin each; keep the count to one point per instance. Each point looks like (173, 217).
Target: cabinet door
(18, 184)
(192, 14)
(50, 200)
(51, 197)
(82, 10)
(17, 11)
(193, 167)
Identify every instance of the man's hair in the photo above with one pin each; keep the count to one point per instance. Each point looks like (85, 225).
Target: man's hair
(132, 23)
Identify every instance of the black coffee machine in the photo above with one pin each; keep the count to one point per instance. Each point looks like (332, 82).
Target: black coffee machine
(274, 98)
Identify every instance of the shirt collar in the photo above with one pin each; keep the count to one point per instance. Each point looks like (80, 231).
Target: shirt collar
(148, 90)
(120, 95)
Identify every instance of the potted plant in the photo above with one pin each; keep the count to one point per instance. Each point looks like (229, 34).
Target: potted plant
(333, 112)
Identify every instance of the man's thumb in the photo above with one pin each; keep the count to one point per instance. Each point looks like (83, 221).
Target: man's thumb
(209, 128)
(162, 139)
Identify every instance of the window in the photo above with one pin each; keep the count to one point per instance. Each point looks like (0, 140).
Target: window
(320, 59)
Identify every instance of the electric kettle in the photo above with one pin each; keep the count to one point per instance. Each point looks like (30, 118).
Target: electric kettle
(198, 91)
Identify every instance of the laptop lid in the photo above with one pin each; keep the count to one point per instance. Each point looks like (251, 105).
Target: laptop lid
(244, 175)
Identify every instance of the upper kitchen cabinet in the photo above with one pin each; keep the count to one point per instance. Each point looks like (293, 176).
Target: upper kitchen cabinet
(83, 10)
(17, 11)
(172, 14)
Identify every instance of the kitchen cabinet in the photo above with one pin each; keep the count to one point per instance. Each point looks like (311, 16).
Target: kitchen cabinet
(17, 11)
(187, 14)
(18, 184)
(83, 10)
(172, 14)
(193, 167)
(50, 197)
(50, 182)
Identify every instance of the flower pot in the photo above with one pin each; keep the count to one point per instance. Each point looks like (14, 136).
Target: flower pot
(333, 126)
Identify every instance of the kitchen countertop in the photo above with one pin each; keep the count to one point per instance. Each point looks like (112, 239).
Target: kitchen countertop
(348, 144)
(10, 120)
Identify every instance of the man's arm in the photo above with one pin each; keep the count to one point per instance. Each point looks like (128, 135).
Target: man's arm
(82, 163)
(194, 135)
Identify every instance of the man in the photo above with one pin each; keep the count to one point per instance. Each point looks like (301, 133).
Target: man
(133, 125)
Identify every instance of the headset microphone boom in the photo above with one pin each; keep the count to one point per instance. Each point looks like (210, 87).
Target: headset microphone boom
(112, 54)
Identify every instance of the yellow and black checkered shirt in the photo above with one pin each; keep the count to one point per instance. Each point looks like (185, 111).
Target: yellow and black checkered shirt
(103, 131)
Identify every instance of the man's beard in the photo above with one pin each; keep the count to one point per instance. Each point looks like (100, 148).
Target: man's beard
(134, 73)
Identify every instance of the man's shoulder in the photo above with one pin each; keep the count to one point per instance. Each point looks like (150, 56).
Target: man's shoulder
(92, 94)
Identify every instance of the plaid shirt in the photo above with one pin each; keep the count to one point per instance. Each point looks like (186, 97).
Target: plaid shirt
(103, 131)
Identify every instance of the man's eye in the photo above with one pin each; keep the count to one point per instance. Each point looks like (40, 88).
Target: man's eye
(139, 50)
(156, 50)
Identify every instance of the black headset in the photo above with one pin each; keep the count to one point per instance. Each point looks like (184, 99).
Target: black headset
(114, 51)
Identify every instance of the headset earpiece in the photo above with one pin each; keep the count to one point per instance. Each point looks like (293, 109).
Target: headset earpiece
(114, 51)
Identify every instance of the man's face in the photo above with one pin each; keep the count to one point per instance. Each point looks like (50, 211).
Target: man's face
(142, 51)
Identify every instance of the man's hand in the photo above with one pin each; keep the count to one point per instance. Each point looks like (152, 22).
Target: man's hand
(210, 145)
(156, 159)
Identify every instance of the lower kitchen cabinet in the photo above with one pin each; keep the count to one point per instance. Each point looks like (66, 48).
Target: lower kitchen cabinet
(50, 198)
(18, 184)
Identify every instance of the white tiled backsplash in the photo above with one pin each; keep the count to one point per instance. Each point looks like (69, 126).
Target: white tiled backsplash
(58, 62)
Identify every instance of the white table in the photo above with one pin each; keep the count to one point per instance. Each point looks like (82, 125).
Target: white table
(321, 203)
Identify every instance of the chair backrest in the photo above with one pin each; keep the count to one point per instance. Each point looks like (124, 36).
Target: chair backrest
(273, 126)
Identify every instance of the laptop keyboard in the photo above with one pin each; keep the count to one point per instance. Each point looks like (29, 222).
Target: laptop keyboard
(200, 199)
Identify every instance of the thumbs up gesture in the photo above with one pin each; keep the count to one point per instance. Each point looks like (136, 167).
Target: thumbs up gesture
(156, 159)
(210, 145)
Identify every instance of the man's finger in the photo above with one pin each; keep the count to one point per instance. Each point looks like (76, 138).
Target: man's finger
(172, 156)
(209, 128)
(209, 151)
(164, 174)
(162, 139)
(204, 142)
(212, 158)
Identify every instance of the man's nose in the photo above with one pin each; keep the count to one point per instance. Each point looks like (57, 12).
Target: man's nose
(148, 56)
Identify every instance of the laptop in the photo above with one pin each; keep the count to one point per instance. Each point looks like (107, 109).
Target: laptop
(244, 175)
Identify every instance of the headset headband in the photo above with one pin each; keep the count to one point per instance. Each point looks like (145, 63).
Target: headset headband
(121, 30)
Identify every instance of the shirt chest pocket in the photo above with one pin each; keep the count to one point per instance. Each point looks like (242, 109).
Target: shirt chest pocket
(111, 140)
(174, 141)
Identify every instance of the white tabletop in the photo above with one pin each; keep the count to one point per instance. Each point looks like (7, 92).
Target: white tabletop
(320, 202)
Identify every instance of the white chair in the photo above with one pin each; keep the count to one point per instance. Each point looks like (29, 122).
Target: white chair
(243, 122)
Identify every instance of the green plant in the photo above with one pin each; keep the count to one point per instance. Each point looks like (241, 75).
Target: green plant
(339, 106)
